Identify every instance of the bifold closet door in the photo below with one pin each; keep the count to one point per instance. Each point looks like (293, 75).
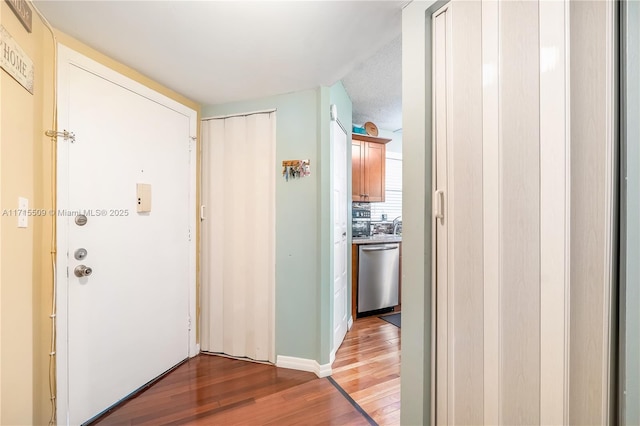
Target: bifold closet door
(524, 217)
(238, 236)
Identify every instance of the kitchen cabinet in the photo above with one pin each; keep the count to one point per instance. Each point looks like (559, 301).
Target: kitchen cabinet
(368, 156)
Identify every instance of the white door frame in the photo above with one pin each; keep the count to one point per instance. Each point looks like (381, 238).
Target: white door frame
(349, 320)
(68, 57)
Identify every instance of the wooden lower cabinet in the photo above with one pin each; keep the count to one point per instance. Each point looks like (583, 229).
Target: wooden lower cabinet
(354, 281)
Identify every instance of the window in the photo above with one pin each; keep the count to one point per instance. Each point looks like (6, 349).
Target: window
(392, 206)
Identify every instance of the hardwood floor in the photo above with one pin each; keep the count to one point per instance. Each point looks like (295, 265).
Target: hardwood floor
(367, 367)
(212, 390)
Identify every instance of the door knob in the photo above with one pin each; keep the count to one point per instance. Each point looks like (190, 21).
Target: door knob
(82, 271)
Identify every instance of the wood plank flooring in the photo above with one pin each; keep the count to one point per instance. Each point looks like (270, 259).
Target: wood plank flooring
(212, 390)
(367, 367)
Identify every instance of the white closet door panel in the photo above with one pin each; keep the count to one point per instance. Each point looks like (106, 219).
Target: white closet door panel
(592, 149)
(553, 211)
(465, 213)
(261, 174)
(213, 237)
(519, 213)
(491, 211)
(441, 91)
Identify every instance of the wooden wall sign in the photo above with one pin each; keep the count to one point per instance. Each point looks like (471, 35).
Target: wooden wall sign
(15, 61)
(22, 11)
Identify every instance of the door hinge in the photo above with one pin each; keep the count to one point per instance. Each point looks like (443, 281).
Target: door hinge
(189, 323)
(66, 135)
(189, 234)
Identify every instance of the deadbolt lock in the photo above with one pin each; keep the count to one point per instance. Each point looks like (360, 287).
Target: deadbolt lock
(82, 271)
(80, 254)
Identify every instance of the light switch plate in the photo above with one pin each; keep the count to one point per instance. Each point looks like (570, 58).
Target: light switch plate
(23, 206)
(143, 191)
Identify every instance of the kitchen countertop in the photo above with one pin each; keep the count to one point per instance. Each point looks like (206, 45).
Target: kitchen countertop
(378, 239)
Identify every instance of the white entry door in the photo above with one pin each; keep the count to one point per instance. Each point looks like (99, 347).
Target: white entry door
(340, 197)
(129, 320)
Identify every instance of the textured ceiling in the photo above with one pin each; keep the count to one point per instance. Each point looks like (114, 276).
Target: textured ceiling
(222, 51)
(375, 88)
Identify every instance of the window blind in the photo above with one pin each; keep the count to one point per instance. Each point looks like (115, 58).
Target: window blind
(392, 205)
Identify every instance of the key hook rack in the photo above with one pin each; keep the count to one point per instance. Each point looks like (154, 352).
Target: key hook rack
(295, 169)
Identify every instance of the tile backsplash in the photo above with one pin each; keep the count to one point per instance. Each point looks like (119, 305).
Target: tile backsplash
(384, 228)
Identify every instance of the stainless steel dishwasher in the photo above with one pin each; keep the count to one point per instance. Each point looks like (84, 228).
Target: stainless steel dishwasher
(378, 269)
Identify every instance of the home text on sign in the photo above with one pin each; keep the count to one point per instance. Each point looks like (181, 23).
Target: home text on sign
(14, 61)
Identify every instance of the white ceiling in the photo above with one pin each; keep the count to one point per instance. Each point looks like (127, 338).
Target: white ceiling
(222, 51)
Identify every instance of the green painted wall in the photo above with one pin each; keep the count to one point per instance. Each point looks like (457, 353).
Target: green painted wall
(416, 208)
(304, 250)
(630, 212)
(325, 289)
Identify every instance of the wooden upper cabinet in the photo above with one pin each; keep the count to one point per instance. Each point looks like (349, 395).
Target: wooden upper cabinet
(357, 157)
(368, 168)
(374, 172)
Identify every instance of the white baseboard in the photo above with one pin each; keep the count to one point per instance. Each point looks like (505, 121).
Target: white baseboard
(195, 350)
(350, 323)
(324, 370)
(303, 364)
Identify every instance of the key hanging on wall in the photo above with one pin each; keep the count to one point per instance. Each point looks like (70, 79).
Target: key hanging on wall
(296, 169)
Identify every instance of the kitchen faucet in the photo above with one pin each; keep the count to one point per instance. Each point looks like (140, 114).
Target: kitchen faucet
(396, 223)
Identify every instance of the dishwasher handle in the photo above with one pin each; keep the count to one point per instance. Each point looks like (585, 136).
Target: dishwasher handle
(379, 248)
